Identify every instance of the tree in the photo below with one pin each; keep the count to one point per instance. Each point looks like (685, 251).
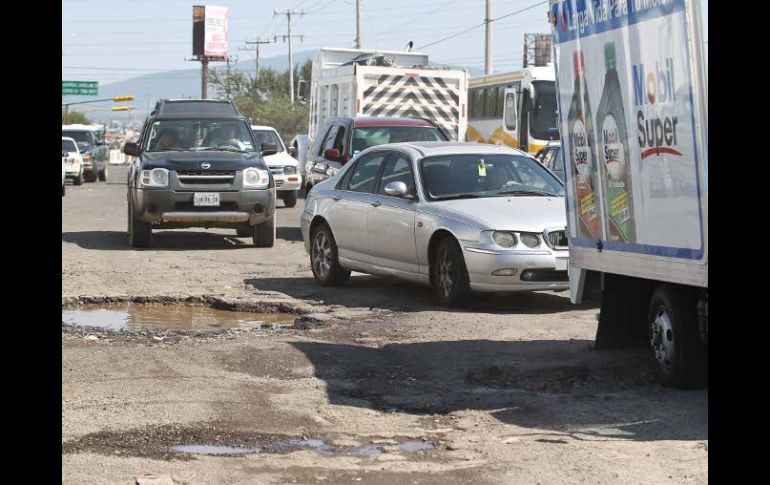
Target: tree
(266, 99)
(74, 118)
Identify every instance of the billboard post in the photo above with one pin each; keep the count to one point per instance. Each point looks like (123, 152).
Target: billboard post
(209, 39)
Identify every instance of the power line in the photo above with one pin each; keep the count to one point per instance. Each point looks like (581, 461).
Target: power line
(481, 25)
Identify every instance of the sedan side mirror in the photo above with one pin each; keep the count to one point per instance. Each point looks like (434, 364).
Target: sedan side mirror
(131, 149)
(397, 189)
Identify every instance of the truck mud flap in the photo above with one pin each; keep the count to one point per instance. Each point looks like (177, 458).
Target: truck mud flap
(623, 313)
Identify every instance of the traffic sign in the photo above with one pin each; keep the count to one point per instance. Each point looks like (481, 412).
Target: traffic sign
(80, 88)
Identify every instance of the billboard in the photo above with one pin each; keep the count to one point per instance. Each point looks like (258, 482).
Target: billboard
(628, 125)
(210, 31)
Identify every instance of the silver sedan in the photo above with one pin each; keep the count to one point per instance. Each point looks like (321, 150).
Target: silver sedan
(460, 217)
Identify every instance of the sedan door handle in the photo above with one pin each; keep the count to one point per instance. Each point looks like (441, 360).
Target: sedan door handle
(376, 203)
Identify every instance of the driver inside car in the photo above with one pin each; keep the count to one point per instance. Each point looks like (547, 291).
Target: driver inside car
(225, 136)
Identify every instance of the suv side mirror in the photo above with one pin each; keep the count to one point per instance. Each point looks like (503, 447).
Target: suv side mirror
(64, 154)
(332, 154)
(293, 151)
(268, 149)
(131, 149)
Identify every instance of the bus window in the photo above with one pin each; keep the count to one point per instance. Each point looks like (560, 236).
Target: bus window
(489, 103)
(510, 111)
(500, 99)
(477, 104)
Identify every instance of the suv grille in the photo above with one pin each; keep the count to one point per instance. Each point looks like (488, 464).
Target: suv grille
(198, 177)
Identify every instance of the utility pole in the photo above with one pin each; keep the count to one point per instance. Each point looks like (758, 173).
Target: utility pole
(359, 41)
(256, 48)
(288, 36)
(204, 77)
(488, 44)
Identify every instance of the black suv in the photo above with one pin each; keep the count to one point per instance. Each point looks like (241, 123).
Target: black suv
(197, 165)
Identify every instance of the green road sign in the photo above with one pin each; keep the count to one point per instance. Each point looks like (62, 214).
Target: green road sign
(82, 88)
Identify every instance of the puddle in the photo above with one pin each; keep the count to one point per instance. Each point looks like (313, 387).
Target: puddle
(316, 445)
(135, 317)
(213, 450)
(415, 446)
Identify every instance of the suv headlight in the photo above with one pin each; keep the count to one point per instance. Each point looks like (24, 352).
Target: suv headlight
(504, 239)
(157, 177)
(289, 170)
(256, 178)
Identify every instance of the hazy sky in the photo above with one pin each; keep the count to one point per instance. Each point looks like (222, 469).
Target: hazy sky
(107, 41)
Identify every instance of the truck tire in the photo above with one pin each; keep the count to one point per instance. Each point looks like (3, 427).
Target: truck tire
(103, 174)
(90, 176)
(63, 190)
(674, 337)
(245, 231)
(324, 261)
(290, 198)
(139, 232)
(449, 274)
(264, 234)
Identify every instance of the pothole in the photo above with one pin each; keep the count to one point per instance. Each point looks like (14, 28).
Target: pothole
(133, 317)
(170, 442)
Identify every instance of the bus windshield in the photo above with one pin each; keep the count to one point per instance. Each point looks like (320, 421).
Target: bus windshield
(544, 111)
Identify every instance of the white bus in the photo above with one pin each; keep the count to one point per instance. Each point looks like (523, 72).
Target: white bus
(517, 109)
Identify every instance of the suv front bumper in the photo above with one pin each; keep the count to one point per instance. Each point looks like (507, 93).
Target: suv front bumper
(169, 208)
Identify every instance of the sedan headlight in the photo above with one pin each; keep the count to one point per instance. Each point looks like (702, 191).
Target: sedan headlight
(289, 170)
(504, 239)
(530, 240)
(256, 178)
(157, 177)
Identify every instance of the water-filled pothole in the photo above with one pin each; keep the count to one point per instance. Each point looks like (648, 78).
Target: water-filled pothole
(137, 317)
(296, 444)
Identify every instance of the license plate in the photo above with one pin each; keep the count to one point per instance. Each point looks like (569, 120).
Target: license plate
(561, 264)
(205, 199)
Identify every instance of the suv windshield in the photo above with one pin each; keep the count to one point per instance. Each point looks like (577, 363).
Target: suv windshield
(369, 136)
(83, 138)
(267, 137)
(465, 176)
(195, 135)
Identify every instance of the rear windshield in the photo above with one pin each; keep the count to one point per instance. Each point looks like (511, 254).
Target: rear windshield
(369, 136)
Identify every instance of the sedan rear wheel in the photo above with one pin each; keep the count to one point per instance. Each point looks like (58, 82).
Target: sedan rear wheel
(323, 258)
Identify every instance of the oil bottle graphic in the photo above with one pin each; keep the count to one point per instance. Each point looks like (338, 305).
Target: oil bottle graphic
(582, 156)
(613, 155)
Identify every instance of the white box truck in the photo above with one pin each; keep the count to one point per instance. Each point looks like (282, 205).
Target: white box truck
(360, 82)
(634, 130)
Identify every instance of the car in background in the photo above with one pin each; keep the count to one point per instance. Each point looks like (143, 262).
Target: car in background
(74, 166)
(459, 217)
(283, 166)
(341, 139)
(90, 141)
(197, 165)
(63, 172)
(550, 157)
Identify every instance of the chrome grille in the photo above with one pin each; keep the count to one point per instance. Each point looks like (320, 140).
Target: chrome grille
(197, 177)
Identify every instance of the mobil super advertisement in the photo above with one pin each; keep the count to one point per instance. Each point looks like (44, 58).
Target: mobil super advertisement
(625, 99)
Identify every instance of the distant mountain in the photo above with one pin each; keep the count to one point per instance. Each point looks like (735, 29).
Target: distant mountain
(183, 83)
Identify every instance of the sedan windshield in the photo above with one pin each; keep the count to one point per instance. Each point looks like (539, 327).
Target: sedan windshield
(199, 135)
(471, 176)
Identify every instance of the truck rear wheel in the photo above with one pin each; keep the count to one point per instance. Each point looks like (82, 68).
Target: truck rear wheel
(90, 176)
(674, 337)
(103, 173)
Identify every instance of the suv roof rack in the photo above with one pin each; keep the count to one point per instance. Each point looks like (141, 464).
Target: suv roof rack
(195, 107)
